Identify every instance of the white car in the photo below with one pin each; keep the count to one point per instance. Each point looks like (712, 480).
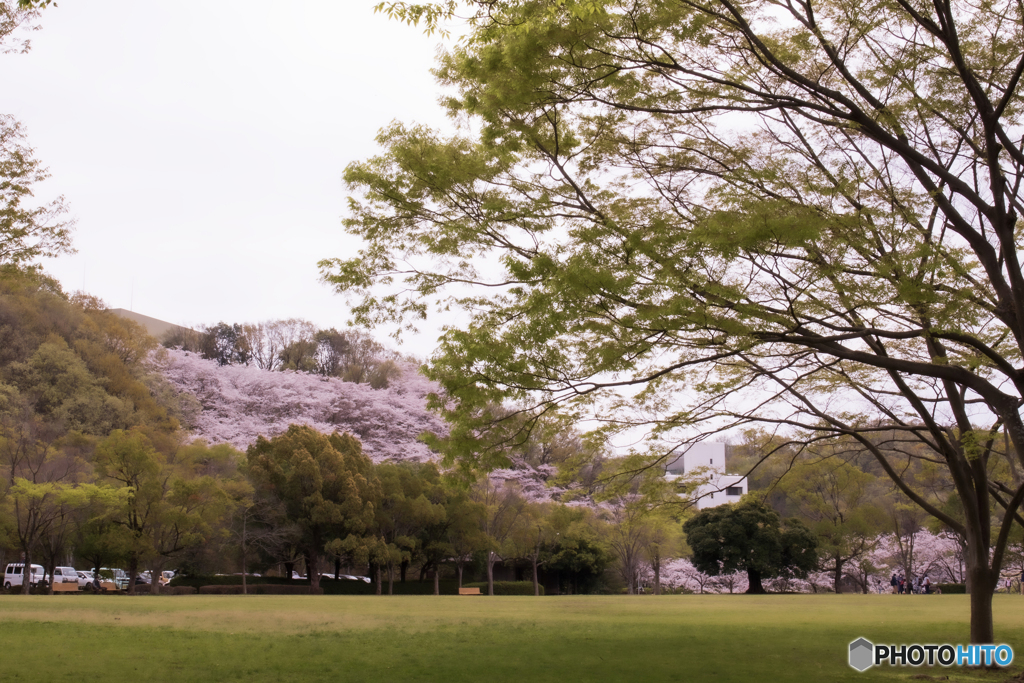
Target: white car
(364, 579)
(13, 576)
(346, 577)
(65, 575)
(84, 578)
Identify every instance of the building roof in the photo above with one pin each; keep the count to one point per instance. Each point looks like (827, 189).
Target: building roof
(156, 328)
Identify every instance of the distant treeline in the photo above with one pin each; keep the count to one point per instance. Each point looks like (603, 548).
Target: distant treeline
(292, 344)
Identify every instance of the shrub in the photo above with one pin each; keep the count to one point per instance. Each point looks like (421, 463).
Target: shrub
(261, 589)
(220, 590)
(948, 588)
(506, 587)
(329, 586)
(270, 589)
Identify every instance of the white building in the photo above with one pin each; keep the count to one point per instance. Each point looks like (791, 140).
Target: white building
(707, 461)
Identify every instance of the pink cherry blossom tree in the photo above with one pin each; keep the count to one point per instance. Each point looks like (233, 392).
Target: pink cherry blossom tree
(240, 403)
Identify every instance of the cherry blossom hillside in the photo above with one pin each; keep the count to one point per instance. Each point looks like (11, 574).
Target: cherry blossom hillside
(239, 403)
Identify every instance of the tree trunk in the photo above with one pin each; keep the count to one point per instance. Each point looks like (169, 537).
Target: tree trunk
(838, 579)
(26, 573)
(377, 570)
(982, 630)
(391, 579)
(536, 584)
(437, 581)
(156, 571)
(983, 582)
(657, 575)
(51, 570)
(337, 568)
(289, 570)
(754, 579)
(133, 570)
(458, 567)
(313, 567)
(490, 571)
(245, 587)
(402, 568)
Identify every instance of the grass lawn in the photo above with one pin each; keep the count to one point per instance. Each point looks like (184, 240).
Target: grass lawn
(524, 639)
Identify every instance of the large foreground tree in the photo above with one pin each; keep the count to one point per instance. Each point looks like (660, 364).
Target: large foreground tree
(750, 537)
(801, 213)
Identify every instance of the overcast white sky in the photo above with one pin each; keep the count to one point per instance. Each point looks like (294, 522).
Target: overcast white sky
(201, 146)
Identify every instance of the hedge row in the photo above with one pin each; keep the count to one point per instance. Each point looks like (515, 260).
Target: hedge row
(261, 589)
(349, 587)
(506, 587)
(329, 586)
(145, 588)
(951, 588)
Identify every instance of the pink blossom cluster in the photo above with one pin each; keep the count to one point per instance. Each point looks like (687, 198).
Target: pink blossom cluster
(680, 573)
(939, 556)
(532, 482)
(240, 403)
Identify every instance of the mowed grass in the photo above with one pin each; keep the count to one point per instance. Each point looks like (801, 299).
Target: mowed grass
(451, 639)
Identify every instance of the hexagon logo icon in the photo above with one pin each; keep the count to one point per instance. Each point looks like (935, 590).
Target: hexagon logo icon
(861, 654)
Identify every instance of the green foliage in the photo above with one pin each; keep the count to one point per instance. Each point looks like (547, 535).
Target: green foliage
(172, 501)
(730, 212)
(324, 483)
(27, 231)
(840, 503)
(750, 537)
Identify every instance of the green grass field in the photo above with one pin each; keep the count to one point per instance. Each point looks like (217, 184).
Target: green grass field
(450, 639)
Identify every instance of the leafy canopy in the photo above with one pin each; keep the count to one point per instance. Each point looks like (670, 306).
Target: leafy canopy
(731, 212)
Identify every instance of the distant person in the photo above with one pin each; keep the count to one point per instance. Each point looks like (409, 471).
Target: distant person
(926, 585)
(894, 582)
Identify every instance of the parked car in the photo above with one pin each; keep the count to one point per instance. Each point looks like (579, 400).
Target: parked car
(364, 579)
(65, 575)
(84, 578)
(13, 576)
(346, 577)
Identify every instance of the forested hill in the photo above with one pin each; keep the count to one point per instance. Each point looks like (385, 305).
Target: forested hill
(238, 403)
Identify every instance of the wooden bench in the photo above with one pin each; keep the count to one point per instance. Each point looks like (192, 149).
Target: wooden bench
(65, 587)
(105, 585)
(469, 591)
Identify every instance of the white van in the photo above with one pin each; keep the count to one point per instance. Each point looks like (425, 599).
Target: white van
(13, 576)
(65, 575)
